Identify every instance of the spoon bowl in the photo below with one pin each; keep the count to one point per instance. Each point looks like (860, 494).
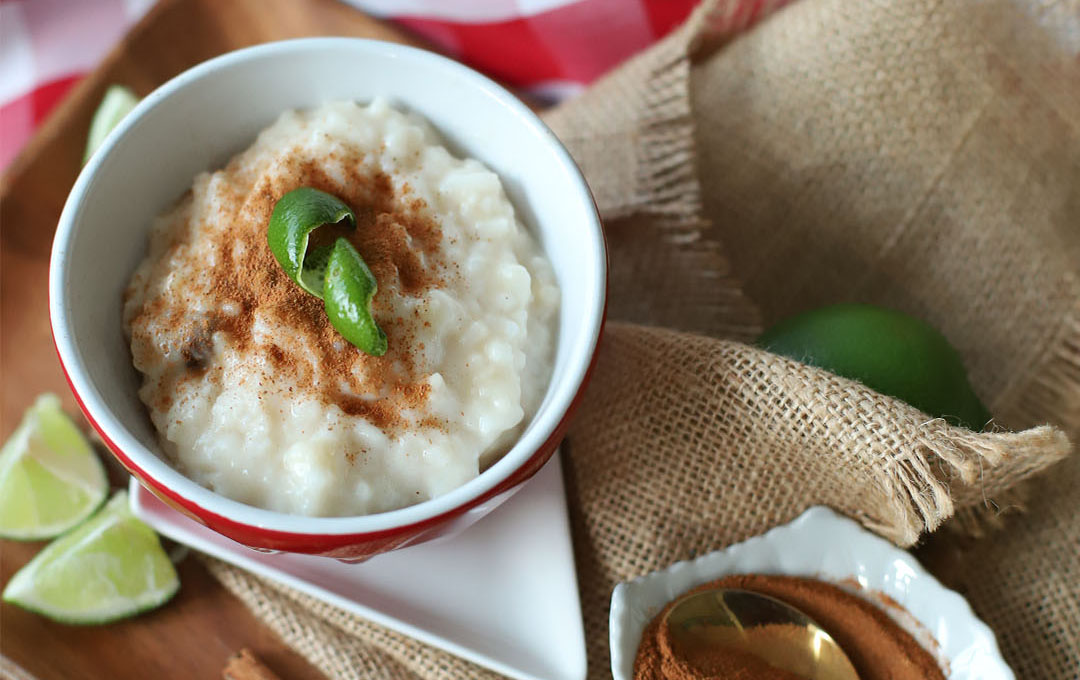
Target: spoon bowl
(741, 623)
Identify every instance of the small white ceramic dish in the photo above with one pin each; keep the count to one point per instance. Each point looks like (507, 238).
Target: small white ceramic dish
(504, 593)
(822, 544)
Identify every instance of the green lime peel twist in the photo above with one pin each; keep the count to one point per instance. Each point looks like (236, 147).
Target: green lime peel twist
(334, 273)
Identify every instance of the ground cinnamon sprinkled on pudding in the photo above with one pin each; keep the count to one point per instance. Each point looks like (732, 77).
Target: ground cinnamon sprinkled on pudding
(399, 240)
(255, 393)
(877, 646)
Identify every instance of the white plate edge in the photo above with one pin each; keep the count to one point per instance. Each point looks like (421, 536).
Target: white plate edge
(239, 556)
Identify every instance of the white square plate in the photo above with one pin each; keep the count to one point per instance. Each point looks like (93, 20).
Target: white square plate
(502, 593)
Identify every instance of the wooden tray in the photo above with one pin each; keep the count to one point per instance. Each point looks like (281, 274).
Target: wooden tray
(193, 635)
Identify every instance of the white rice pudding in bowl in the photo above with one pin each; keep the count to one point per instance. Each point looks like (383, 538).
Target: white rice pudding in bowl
(253, 392)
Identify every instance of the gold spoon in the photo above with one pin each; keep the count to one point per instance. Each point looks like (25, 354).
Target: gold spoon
(756, 624)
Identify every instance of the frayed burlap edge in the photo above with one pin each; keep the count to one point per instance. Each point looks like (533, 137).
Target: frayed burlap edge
(1053, 395)
(962, 486)
(633, 135)
(662, 180)
(986, 495)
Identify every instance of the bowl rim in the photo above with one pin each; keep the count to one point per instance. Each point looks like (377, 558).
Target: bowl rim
(546, 423)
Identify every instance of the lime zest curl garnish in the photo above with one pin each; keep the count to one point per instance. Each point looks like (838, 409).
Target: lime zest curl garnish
(347, 294)
(335, 273)
(295, 216)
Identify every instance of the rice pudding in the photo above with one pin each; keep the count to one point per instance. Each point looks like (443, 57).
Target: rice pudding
(253, 392)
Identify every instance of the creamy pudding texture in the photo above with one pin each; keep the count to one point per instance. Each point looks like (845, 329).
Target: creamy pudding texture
(254, 393)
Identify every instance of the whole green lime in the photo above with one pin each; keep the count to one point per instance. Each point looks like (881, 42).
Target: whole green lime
(888, 351)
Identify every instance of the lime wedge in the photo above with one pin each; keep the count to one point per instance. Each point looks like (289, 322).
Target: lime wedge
(111, 567)
(50, 478)
(117, 103)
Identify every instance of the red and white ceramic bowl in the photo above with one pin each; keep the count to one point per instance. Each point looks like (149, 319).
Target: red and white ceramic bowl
(200, 119)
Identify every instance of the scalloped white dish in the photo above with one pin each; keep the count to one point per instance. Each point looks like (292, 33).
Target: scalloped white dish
(822, 544)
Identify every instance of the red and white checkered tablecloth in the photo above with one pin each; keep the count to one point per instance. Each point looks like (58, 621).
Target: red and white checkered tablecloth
(45, 47)
(552, 48)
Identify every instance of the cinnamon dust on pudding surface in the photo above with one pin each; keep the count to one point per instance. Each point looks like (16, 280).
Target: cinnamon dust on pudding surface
(253, 392)
(397, 237)
(877, 646)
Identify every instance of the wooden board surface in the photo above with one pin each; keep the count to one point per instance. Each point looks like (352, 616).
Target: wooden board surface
(193, 635)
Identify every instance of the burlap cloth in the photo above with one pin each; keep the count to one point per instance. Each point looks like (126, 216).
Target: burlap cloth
(924, 155)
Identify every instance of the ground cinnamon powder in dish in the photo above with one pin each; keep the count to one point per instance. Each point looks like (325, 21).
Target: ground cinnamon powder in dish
(878, 647)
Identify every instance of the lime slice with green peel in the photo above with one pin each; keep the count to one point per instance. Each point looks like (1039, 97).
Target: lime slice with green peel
(50, 478)
(111, 567)
(347, 291)
(117, 103)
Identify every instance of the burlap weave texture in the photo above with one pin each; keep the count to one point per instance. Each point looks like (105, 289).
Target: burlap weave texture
(919, 154)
